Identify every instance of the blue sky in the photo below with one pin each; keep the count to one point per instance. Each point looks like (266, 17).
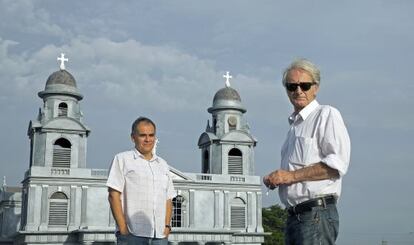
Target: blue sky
(165, 60)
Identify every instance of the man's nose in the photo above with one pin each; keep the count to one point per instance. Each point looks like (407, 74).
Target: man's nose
(298, 90)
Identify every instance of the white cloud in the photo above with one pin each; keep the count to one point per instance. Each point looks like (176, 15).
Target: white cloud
(157, 76)
(23, 17)
(122, 73)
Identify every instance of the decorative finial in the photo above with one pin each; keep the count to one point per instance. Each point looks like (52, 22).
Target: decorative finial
(227, 77)
(208, 128)
(62, 60)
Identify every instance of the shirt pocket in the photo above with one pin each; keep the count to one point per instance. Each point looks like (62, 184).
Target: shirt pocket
(305, 151)
(139, 177)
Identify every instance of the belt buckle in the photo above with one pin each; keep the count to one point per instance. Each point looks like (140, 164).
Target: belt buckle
(322, 201)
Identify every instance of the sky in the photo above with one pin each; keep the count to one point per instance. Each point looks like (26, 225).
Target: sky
(166, 59)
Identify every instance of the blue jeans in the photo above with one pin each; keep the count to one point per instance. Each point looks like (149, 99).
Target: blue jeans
(139, 240)
(319, 226)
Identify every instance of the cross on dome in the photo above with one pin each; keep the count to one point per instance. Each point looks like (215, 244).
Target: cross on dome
(227, 77)
(62, 60)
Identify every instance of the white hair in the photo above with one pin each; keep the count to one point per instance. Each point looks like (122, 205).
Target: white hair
(305, 65)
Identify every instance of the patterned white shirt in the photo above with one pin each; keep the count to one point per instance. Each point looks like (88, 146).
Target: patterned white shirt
(317, 134)
(145, 187)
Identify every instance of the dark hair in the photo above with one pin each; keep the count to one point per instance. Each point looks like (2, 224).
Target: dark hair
(141, 120)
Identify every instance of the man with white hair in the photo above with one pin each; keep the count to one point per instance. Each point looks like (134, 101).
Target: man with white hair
(314, 158)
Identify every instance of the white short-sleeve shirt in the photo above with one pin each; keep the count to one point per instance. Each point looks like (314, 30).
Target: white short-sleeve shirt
(145, 186)
(317, 134)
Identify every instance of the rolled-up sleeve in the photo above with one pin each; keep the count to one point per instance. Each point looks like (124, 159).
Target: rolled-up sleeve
(334, 141)
(116, 178)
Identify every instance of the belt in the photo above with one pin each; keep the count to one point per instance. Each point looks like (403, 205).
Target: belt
(307, 206)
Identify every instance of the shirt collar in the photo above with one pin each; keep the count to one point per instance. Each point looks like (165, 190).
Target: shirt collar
(138, 154)
(305, 112)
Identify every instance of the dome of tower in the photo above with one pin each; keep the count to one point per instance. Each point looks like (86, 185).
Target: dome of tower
(61, 82)
(227, 93)
(227, 98)
(61, 77)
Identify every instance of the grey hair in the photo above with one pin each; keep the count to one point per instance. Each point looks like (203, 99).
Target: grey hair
(140, 120)
(305, 65)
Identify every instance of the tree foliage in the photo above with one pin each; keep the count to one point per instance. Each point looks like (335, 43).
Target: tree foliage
(274, 221)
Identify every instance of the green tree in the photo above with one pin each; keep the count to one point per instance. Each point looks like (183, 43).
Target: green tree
(274, 221)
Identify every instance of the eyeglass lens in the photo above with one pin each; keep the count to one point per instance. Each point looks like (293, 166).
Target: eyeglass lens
(303, 86)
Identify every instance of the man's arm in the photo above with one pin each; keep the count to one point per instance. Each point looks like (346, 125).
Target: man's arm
(318, 171)
(114, 198)
(168, 215)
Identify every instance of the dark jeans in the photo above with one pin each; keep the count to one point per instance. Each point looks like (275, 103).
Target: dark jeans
(138, 240)
(319, 226)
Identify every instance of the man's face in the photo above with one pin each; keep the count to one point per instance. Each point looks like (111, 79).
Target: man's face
(299, 98)
(144, 138)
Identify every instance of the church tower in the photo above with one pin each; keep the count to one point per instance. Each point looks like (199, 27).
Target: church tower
(58, 135)
(57, 154)
(227, 145)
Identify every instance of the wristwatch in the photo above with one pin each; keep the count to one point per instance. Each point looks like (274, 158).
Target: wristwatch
(168, 226)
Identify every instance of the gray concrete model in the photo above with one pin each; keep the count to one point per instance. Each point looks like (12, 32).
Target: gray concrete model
(61, 201)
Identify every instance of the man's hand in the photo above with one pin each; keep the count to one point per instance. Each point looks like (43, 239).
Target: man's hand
(278, 177)
(167, 231)
(114, 198)
(168, 214)
(313, 172)
(267, 183)
(124, 231)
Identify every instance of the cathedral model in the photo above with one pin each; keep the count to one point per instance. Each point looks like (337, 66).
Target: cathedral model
(61, 201)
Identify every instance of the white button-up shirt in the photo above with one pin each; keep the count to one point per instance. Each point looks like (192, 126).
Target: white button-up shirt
(317, 134)
(145, 187)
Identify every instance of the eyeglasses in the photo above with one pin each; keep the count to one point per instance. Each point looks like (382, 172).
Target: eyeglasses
(305, 86)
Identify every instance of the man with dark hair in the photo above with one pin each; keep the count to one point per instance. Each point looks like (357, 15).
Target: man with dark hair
(138, 121)
(315, 157)
(140, 190)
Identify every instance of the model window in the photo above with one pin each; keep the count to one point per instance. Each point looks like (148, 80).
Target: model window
(177, 219)
(63, 110)
(235, 162)
(206, 163)
(214, 125)
(61, 153)
(58, 209)
(238, 214)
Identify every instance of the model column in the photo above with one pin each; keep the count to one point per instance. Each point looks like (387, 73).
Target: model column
(73, 208)
(259, 226)
(216, 208)
(84, 206)
(251, 205)
(44, 204)
(226, 210)
(192, 209)
(32, 207)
